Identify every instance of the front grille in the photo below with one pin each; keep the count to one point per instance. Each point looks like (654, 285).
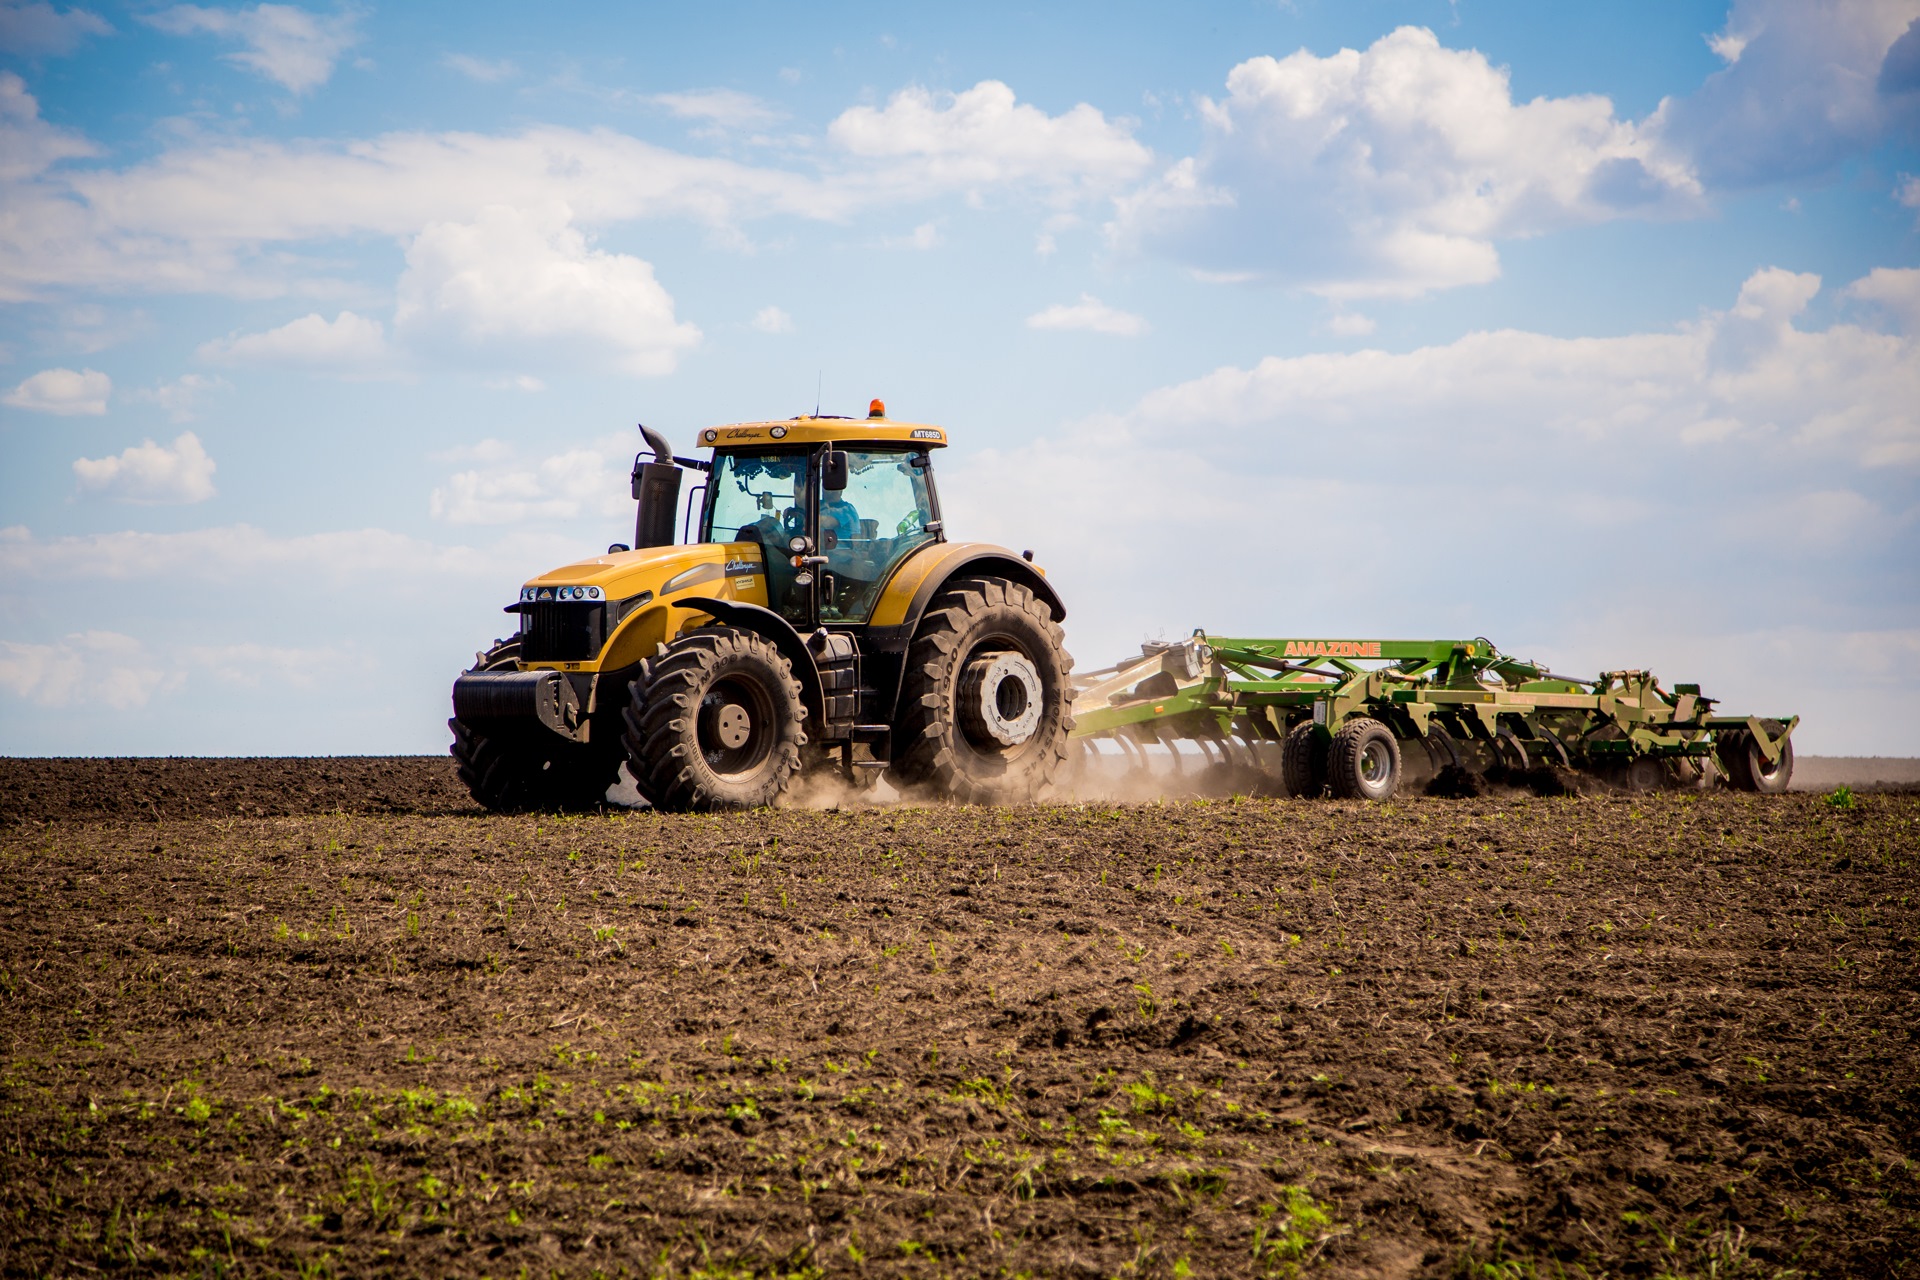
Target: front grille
(552, 631)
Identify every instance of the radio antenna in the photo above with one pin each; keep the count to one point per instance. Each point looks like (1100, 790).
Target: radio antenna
(818, 378)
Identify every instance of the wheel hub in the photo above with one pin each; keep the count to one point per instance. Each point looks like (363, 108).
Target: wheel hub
(1000, 699)
(732, 725)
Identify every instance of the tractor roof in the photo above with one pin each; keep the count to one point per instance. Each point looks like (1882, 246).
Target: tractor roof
(822, 430)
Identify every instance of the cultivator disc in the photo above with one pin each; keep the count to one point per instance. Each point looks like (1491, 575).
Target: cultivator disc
(1367, 719)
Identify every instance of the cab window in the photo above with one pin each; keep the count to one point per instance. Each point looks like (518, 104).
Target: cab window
(879, 519)
(762, 498)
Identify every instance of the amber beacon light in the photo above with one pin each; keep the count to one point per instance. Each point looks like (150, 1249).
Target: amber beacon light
(878, 409)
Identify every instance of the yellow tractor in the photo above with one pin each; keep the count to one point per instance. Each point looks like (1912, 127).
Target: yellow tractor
(820, 621)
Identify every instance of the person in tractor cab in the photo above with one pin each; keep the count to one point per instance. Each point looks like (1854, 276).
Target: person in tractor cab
(839, 525)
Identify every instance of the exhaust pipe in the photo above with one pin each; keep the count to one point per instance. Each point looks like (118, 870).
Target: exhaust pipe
(656, 486)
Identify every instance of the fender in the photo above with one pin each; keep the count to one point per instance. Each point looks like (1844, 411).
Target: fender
(968, 558)
(778, 631)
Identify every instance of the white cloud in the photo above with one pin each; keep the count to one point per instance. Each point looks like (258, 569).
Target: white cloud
(585, 482)
(1806, 86)
(242, 553)
(1391, 172)
(983, 137)
(1351, 324)
(348, 343)
(1090, 314)
(514, 278)
(724, 108)
(516, 382)
(181, 398)
(1896, 290)
(486, 71)
(85, 667)
(39, 29)
(151, 473)
(62, 391)
(294, 48)
(772, 320)
(28, 144)
(921, 238)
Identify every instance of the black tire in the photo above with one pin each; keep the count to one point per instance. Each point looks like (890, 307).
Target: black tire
(967, 638)
(531, 770)
(714, 723)
(1748, 769)
(1643, 774)
(1363, 762)
(1303, 761)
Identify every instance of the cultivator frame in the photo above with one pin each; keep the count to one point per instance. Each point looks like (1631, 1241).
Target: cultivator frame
(1344, 715)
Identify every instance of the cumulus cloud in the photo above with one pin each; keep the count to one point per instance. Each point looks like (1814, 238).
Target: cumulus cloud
(772, 320)
(62, 391)
(590, 481)
(181, 399)
(1896, 290)
(1391, 172)
(239, 553)
(1090, 314)
(348, 343)
(151, 473)
(102, 667)
(28, 144)
(512, 278)
(1806, 87)
(40, 30)
(294, 48)
(984, 137)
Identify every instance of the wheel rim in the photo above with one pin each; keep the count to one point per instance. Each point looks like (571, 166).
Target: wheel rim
(735, 727)
(1000, 698)
(1374, 764)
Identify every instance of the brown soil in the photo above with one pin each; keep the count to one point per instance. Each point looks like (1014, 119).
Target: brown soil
(162, 788)
(1610, 1035)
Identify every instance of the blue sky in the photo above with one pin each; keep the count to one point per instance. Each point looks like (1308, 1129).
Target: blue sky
(1591, 329)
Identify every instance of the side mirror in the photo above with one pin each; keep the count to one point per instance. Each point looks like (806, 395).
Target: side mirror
(919, 461)
(833, 470)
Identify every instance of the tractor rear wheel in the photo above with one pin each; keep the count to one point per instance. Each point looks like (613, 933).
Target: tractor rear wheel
(986, 706)
(1303, 761)
(1748, 768)
(1363, 762)
(528, 769)
(714, 722)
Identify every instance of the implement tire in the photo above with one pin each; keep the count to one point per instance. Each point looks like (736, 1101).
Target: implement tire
(1363, 763)
(985, 705)
(1748, 769)
(714, 723)
(528, 769)
(1303, 761)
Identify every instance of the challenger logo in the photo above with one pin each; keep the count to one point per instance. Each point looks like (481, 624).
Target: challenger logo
(1333, 649)
(737, 568)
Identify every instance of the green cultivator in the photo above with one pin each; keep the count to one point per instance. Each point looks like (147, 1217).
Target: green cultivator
(1366, 718)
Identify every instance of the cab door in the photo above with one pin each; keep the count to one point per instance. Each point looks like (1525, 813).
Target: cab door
(886, 512)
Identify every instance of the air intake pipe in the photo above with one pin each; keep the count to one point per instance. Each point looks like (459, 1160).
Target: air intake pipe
(656, 486)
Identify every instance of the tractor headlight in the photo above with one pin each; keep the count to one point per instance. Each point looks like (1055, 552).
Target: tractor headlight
(530, 595)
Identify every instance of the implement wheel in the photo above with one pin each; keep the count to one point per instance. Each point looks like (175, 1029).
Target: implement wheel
(1364, 761)
(1750, 770)
(985, 705)
(1303, 761)
(714, 723)
(528, 769)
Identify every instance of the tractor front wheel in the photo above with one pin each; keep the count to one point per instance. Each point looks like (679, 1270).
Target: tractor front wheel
(714, 722)
(986, 705)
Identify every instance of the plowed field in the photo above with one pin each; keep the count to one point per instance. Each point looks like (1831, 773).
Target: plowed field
(1498, 1036)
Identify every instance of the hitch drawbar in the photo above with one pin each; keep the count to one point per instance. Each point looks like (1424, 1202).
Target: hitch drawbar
(546, 698)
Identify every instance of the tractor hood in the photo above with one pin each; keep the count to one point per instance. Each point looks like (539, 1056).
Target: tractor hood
(661, 571)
